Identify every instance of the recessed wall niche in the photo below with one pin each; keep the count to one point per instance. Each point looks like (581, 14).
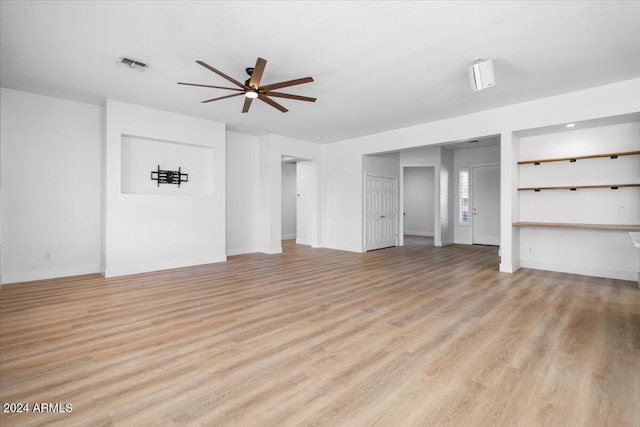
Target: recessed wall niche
(141, 156)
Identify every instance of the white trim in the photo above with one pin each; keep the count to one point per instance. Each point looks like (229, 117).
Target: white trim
(288, 237)
(419, 233)
(462, 242)
(509, 268)
(123, 270)
(307, 242)
(580, 269)
(346, 248)
(272, 250)
(241, 251)
(55, 273)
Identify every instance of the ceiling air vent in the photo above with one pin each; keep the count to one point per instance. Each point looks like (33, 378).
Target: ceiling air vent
(133, 64)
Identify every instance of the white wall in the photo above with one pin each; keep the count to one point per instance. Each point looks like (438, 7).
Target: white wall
(466, 158)
(50, 194)
(243, 193)
(343, 160)
(593, 252)
(145, 232)
(387, 165)
(289, 201)
(419, 201)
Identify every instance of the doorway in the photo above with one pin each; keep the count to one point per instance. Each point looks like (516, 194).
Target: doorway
(485, 202)
(289, 200)
(418, 204)
(299, 202)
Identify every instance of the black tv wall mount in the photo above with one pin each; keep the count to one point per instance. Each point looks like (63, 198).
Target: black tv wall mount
(164, 176)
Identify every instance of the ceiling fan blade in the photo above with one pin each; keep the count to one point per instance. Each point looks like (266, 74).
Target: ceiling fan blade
(215, 87)
(247, 104)
(289, 96)
(222, 97)
(257, 73)
(221, 74)
(273, 103)
(287, 83)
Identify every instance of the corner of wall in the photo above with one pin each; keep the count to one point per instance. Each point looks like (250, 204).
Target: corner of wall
(103, 189)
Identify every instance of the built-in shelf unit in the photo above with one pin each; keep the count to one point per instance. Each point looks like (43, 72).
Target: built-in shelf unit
(573, 159)
(578, 195)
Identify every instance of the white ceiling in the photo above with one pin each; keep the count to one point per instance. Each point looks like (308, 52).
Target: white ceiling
(377, 65)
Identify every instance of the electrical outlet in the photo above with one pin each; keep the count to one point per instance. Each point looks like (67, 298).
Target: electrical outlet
(621, 209)
(532, 251)
(47, 256)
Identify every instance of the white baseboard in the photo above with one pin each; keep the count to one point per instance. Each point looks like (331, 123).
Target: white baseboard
(463, 242)
(253, 250)
(54, 273)
(306, 243)
(509, 268)
(241, 251)
(347, 248)
(271, 250)
(288, 237)
(122, 270)
(581, 269)
(419, 233)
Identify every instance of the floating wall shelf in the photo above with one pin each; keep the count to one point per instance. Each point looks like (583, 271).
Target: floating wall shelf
(573, 159)
(575, 187)
(614, 227)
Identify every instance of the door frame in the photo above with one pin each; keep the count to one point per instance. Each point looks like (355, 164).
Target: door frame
(364, 207)
(471, 201)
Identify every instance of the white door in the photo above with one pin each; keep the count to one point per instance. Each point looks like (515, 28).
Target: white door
(485, 221)
(381, 212)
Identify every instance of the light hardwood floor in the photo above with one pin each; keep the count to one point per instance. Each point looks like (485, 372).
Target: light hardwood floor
(408, 336)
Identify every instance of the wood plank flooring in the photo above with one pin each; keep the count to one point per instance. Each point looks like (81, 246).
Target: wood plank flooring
(407, 336)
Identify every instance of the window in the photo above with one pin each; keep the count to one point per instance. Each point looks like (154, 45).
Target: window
(463, 181)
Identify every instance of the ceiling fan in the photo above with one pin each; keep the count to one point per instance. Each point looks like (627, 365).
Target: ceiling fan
(251, 88)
